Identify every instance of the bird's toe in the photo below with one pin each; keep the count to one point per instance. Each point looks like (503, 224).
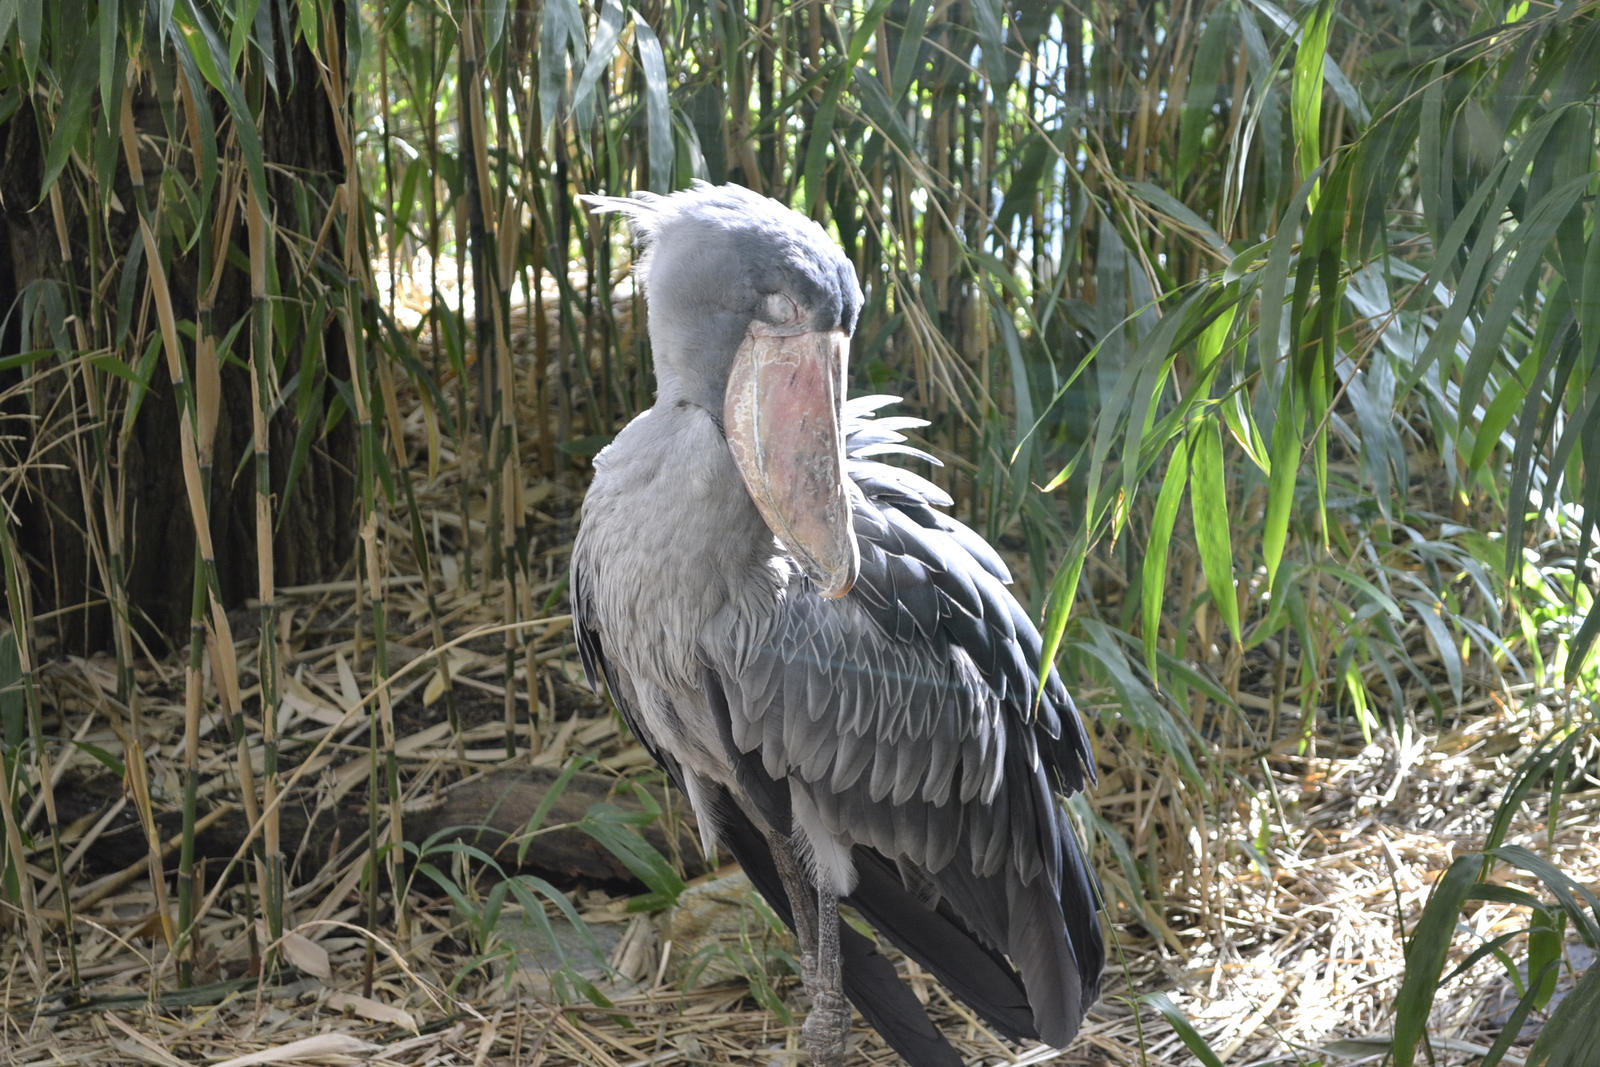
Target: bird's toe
(826, 1028)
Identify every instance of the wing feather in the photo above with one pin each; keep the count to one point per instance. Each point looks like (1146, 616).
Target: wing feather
(910, 713)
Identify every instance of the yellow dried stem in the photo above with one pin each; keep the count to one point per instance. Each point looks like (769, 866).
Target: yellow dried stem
(331, 75)
(161, 296)
(137, 785)
(207, 394)
(194, 486)
(227, 682)
(191, 119)
(63, 243)
(222, 238)
(30, 911)
(391, 402)
(130, 142)
(506, 235)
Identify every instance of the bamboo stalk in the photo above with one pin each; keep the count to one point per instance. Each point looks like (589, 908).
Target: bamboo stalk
(269, 666)
(17, 600)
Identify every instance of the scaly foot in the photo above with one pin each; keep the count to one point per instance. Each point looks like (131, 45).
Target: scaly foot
(826, 1028)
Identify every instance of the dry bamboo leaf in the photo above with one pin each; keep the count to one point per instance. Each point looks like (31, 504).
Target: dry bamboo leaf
(349, 689)
(300, 951)
(301, 702)
(307, 1049)
(435, 688)
(374, 1010)
(143, 1046)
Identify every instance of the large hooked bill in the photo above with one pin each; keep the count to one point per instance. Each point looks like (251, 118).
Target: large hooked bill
(781, 418)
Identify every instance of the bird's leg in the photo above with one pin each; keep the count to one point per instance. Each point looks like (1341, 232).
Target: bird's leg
(828, 1024)
(816, 927)
(802, 902)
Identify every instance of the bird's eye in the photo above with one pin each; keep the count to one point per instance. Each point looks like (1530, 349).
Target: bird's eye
(775, 307)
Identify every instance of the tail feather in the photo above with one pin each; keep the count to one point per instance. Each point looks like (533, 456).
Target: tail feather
(944, 945)
(1056, 954)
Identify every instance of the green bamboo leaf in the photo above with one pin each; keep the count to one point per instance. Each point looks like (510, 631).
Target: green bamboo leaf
(1023, 455)
(198, 200)
(195, 35)
(1282, 477)
(1555, 365)
(1572, 1034)
(865, 29)
(819, 135)
(1379, 599)
(1383, 454)
(607, 33)
(188, 32)
(1317, 403)
(1153, 579)
(1306, 88)
(1575, 157)
(1529, 250)
(1243, 429)
(8, 18)
(30, 29)
(991, 46)
(244, 17)
(1170, 205)
(1209, 346)
(909, 57)
(1058, 604)
(1169, 732)
(657, 110)
(1587, 305)
(1449, 654)
(1208, 505)
(1563, 886)
(1152, 365)
(307, 21)
(1216, 41)
(20, 360)
(611, 827)
(1544, 956)
(72, 120)
(1426, 953)
(1578, 649)
(1483, 210)
(1183, 1028)
(108, 16)
(561, 29)
(520, 888)
(1275, 284)
(143, 374)
(1508, 397)
(494, 22)
(881, 113)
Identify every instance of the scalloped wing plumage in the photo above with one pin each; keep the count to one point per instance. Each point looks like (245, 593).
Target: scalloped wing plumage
(909, 713)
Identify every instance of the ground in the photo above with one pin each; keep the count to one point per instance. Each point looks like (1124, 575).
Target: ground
(1271, 899)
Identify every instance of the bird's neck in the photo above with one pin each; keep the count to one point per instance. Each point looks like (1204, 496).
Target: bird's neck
(678, 384)
(669, 523)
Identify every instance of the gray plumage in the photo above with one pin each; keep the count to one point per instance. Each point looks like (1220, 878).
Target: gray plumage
(890, 743)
